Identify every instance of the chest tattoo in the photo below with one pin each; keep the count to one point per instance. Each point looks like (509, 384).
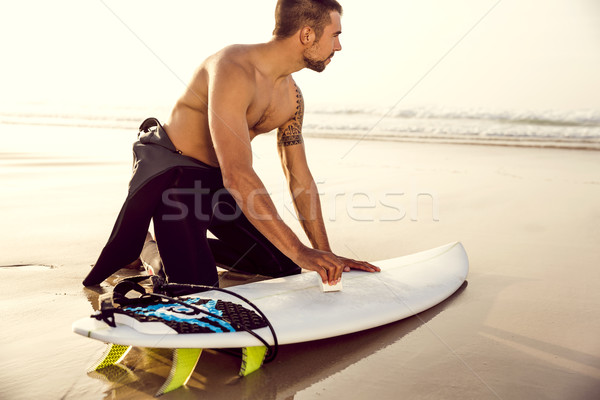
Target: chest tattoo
(291, 133)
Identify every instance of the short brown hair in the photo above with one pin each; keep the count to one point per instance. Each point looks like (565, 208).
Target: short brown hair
(293, 15)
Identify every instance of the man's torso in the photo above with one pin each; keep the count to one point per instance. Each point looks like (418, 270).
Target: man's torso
(273, 104)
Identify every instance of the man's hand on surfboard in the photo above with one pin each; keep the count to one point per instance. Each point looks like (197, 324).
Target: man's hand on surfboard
(362, 265)
(329, 266)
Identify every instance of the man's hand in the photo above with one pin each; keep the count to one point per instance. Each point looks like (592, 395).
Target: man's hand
(329, 266)
(362, 265)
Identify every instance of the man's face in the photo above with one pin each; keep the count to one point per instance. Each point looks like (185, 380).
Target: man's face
(319, 54)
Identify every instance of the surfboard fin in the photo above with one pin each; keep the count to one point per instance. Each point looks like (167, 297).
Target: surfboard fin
(252, 359)
(112, 355)
(184, 363)
(117, 373)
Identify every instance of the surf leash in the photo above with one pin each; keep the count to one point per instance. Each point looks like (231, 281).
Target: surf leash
(162, 291)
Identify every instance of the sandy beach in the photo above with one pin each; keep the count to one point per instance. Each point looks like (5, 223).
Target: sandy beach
(525, 326)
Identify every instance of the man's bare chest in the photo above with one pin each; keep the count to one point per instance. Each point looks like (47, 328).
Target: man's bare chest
(270, 110)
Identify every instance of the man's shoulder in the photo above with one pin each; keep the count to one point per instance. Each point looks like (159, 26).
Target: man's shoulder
(234, 60)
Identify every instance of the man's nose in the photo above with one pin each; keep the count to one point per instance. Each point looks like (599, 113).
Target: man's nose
(338, 45)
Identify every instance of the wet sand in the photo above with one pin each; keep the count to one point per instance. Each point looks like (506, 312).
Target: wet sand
(525, 325)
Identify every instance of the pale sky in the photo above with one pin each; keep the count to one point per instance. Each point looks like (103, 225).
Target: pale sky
(532, 54)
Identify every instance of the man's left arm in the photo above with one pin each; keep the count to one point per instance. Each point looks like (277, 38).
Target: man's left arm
(303, 188)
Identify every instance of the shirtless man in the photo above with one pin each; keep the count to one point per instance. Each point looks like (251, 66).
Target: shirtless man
(236, 94)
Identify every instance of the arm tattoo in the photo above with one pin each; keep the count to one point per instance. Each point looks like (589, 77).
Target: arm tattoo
(291, 133)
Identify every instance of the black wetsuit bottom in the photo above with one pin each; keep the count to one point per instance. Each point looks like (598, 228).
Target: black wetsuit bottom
(196, 203)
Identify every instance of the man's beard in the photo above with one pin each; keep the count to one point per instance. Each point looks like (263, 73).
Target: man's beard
(314, 64)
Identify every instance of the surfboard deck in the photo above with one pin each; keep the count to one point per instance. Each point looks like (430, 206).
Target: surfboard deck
(299, 311)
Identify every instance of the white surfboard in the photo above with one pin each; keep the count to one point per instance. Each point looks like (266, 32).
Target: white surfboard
(299, 311)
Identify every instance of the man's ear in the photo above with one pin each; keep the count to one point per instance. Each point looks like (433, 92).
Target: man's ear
(307, 35)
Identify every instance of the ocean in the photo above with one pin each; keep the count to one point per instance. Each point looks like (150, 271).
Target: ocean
(549, 128)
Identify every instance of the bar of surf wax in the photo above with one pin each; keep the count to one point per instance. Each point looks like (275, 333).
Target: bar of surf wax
(326, 287)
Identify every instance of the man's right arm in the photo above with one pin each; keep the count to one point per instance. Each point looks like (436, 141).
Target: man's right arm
(231, 90)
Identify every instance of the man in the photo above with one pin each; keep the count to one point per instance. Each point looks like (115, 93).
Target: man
(194, 174)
